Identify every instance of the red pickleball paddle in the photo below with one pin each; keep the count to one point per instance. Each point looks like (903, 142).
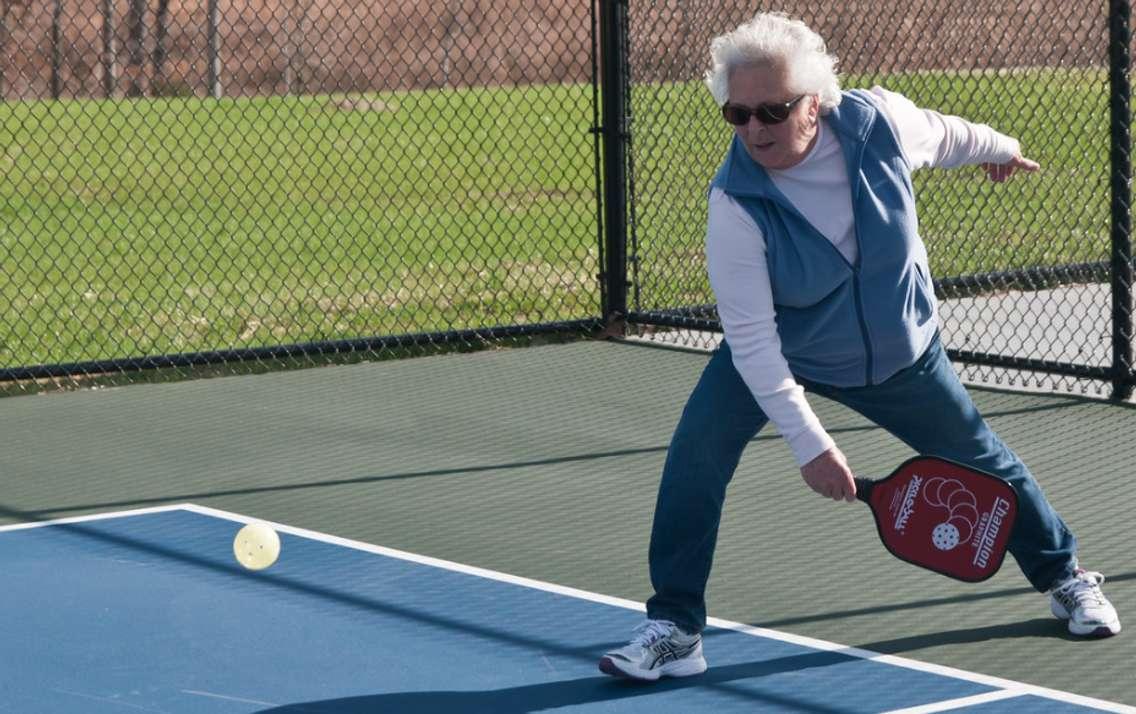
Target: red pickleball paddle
(943, 516)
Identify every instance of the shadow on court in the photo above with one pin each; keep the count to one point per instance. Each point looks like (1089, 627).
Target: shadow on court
(552, 695)
(61, 510)
(1036, 627)
(915, 605)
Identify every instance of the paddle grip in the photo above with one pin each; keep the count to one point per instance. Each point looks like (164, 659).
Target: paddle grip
(863, 488)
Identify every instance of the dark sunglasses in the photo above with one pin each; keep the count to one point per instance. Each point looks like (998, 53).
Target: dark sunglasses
(772, 113)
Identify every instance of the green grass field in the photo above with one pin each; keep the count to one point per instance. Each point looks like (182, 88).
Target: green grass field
(144, 227)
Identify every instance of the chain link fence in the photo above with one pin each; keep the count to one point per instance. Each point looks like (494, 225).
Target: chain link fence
(216, 187)
(212, 187)
(1028, 282)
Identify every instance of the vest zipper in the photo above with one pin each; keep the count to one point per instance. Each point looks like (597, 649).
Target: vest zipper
(869, 358)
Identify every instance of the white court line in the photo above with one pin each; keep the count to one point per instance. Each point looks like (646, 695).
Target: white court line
(1012, 687)
(214, 695)
(950, 704)
(94, 517)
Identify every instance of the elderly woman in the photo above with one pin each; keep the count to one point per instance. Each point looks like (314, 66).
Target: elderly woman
(822, 284)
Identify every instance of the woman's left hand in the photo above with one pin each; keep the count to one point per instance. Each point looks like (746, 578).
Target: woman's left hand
(1000, 172)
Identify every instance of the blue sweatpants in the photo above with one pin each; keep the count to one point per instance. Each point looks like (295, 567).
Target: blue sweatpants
(925, 406)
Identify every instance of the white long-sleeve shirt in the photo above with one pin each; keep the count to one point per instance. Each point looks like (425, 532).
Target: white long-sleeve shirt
(818, 187)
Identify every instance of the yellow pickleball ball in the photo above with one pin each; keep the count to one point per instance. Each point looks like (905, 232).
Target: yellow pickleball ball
(256, 546)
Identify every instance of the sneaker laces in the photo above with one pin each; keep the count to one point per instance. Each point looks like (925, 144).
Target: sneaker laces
(1083, 588)
(651, 631)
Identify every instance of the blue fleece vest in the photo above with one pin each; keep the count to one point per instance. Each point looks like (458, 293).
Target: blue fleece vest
(841, 324)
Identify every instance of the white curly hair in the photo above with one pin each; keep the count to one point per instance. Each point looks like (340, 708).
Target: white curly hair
(775, 39)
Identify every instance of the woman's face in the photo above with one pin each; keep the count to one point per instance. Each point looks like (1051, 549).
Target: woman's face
(780, 145)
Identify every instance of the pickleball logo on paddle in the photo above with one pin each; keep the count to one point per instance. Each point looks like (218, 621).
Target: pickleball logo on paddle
(961, 511)
(963, 520)
(946, 517)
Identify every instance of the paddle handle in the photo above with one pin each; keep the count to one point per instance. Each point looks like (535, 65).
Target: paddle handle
(864, 488)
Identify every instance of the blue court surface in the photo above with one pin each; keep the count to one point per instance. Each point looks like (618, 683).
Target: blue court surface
(148, 611)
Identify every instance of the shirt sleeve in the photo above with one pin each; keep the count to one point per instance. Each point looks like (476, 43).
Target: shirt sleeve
(931, 139)
(739, 276)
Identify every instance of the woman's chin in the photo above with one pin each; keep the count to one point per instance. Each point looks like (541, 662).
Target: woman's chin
(769, 158)
(773, 157)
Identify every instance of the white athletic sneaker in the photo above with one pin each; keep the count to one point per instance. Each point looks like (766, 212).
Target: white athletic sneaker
(658, 649)
(1080, 601)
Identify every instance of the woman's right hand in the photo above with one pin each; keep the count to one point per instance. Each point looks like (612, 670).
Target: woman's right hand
(829, 475)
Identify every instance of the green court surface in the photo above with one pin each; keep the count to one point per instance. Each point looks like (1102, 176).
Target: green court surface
(543, 463)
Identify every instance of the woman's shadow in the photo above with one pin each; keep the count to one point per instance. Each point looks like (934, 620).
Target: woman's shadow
(551, 695)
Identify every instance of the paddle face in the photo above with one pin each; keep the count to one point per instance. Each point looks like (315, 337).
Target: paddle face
(943, 516)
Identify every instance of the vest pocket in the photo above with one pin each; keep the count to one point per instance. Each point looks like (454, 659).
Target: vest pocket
(924, 295)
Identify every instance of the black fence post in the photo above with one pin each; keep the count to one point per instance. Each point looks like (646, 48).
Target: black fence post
(1121, 145)
(613, 58)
